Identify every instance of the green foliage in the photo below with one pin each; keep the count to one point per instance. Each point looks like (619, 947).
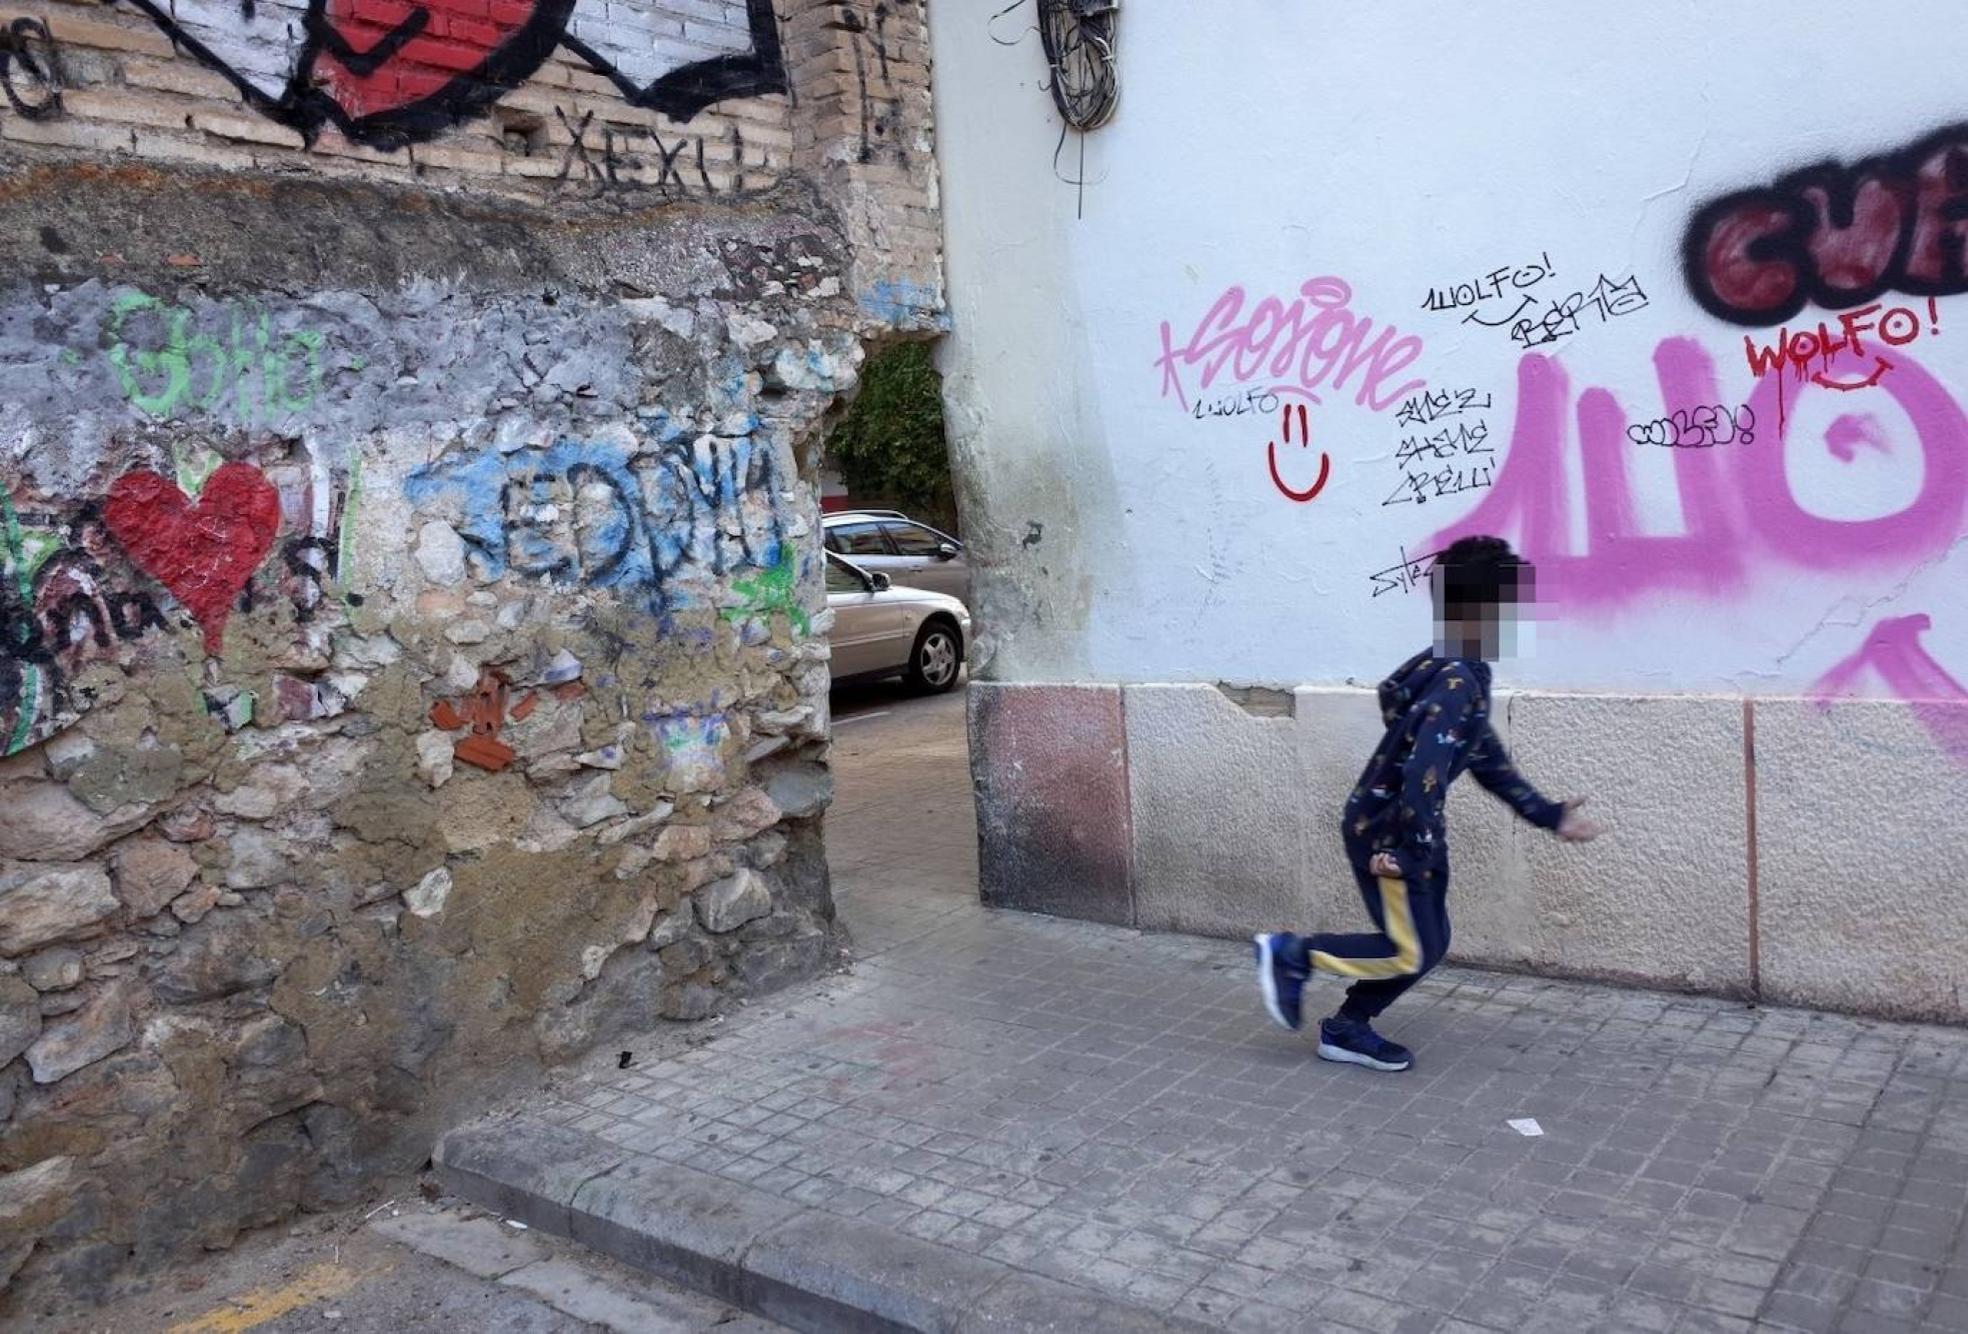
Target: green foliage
(890, 448)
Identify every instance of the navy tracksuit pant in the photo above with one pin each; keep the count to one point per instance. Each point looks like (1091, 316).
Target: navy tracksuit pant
(1411, 921)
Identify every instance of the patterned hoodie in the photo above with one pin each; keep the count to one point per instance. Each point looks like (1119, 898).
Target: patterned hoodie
(1437, 712)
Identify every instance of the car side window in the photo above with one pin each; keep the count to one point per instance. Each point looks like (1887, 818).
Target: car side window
(860, 539)
(841, 580)
(912, 539)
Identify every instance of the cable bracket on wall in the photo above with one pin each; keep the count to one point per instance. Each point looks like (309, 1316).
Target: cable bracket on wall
(1084, 79)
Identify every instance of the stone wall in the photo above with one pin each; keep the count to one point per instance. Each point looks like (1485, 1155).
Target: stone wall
(412, 641)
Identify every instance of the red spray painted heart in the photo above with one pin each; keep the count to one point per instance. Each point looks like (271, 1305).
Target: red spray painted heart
(412, 66)
(203, 552)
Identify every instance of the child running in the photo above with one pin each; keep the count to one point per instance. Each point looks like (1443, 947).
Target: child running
(1436, 707)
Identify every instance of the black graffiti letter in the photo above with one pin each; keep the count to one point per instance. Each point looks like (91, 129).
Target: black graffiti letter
(30, 69)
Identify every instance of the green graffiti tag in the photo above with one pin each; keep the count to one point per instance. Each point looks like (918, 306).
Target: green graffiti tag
(772, 592)
(165, 364)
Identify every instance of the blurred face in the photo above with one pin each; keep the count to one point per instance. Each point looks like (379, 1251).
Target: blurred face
(1485, 629)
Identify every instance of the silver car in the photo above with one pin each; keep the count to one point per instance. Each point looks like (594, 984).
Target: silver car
(889, 542)
(881, 630)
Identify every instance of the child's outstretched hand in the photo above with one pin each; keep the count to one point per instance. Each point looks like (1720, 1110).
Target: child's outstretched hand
(1576, 828)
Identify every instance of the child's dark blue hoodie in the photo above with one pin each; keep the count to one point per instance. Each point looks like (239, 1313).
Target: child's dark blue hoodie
(1437, 712)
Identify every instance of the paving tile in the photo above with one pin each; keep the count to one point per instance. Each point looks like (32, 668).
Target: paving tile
(1110, 1109)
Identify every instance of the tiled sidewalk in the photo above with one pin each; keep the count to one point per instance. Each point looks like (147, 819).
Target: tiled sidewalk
(1113, 1110)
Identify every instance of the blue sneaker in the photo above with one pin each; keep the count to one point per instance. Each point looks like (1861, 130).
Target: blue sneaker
(1355, 1043)
(1281, 981)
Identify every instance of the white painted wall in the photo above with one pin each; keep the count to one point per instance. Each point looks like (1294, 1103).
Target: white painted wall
(1262, 143)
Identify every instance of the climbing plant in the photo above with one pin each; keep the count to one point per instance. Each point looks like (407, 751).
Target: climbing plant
(889, 447)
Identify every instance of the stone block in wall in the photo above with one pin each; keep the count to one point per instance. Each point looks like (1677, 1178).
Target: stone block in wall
(1219, 810)
(42, 903)
(20, 1017)
(1055, 832)
(1663, 899)
(102, 1026)
(1862, 867)
(730, 903)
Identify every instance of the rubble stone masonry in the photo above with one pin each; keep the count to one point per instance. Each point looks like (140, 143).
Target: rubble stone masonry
(412, 637)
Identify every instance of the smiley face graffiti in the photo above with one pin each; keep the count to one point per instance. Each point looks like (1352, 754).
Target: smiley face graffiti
(1287, 414)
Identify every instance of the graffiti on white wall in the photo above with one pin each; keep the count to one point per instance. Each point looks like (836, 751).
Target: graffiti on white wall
(1281, 355)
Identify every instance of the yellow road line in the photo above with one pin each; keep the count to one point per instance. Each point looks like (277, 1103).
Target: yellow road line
(254, 1308)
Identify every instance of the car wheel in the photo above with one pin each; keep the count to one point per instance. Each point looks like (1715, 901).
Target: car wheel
(937, 660)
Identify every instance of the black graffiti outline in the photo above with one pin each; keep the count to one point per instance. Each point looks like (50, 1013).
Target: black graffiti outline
(305, 107)
(577, 148)
(688, 89)
(1896, 173)
(1449, 481)
(1405, 575)
(1674, 430)
(761, 474)
(41, 636)
(364, 63)
(666, 170)
(311, 576)
(17, 43)
(670, 159)
(1434, 405)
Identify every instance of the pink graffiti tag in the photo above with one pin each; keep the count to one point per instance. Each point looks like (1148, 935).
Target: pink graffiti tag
(1736, 502)
(1315, 342)
(1894, 652)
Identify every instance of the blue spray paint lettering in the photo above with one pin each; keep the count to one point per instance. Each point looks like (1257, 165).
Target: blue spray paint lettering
(605, 515)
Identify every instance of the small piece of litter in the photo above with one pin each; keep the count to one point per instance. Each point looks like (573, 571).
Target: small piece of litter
(622, 1062)
(1527, 1126)
(514, 1222)
(378, 1209)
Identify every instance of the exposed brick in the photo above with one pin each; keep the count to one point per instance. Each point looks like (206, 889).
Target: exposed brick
(178, 76)
(246, 128)
(139, 35)
(200, 151)
(158, 112)
(66, 132)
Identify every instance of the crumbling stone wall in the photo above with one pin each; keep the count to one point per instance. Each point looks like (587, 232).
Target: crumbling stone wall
(412, 637)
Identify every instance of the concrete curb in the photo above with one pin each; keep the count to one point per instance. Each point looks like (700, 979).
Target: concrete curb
(797, 1265)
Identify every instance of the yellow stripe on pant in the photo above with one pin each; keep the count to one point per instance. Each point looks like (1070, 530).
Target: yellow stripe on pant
(1400, 930)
